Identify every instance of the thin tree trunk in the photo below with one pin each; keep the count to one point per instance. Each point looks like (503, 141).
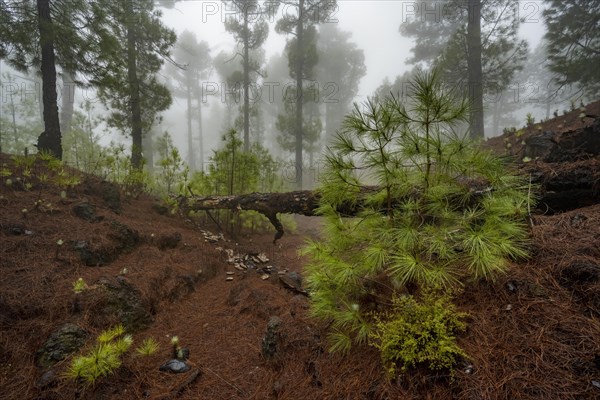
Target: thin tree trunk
(299, 92)
(148, 149)
(14, 123)
(68, 102)
(50, 140)
(134, 87)
(191, 155)
(474, 69)
(246, 82)
(200, 131)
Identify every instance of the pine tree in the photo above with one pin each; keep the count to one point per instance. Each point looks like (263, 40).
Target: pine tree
(250, 30)
(339, 71)
(129, 85)
(573, 38)
(436, 211)
(464, 35)
(194, 60)
(308, 14)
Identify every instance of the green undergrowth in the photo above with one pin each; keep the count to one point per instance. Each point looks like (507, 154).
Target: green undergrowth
(411, 205)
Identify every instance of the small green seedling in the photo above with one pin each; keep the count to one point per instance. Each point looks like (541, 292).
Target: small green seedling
(148, 347)
(79, 286)
(104, 358)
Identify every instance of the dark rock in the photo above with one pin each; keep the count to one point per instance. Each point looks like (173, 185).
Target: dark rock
(311, 369)
(175, 366)
(160, 209)
(112, 196)
(122, 239)
(87, 212)
(293, 282)
(539, 146)
(269, 341)
(185, 284)
(511, 286)
(66, 340)
(124, 301)
(580, 273)
(94, 257)
(126, 238)
(48, 379)
(565, 147)
(107, 191)
(168, 241)
(13, 229)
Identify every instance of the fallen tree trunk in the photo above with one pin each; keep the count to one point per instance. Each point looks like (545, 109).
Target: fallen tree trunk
(563, 187)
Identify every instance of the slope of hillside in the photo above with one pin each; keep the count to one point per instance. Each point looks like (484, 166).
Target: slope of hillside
(534, 333)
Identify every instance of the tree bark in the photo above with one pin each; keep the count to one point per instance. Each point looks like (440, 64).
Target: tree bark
(299, 92)
(475, 73)
(561, 188)
(191, 153)
(246, 81)
(134, 87)
(200, 130)
(50, 140)
(68, 102)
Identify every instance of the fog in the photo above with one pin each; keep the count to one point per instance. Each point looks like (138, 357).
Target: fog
(374, 26)
(362, 49)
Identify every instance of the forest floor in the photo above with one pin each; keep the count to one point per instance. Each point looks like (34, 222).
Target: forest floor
(532, 334)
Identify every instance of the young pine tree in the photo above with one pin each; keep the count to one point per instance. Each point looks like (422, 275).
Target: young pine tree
(434, 210)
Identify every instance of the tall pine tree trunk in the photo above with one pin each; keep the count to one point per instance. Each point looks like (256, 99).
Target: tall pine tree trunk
(299, 92)
(191, 155)
(134, 86)
(50, 140)
(246, 82)
(68, 102)
(475, 72)
(200, 131)
(148, 149)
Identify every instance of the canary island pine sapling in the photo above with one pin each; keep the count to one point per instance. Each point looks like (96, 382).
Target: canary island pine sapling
(431, 211)
(104, 358)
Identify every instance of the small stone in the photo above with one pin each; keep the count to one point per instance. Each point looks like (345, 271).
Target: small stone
(508, 307)
(511, 286)
(469, 369)
(230, 273)
(292, 281)
(229, 278)
(262, 257)
(175, 366)
(269, 341)
(596, 384)
(264, 277)
(47, 379)
(239, 267)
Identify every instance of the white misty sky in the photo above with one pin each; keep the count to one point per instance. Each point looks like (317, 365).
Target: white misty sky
(374, 25)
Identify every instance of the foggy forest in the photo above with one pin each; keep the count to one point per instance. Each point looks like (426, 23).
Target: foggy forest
(197, 69)
(299, 199)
